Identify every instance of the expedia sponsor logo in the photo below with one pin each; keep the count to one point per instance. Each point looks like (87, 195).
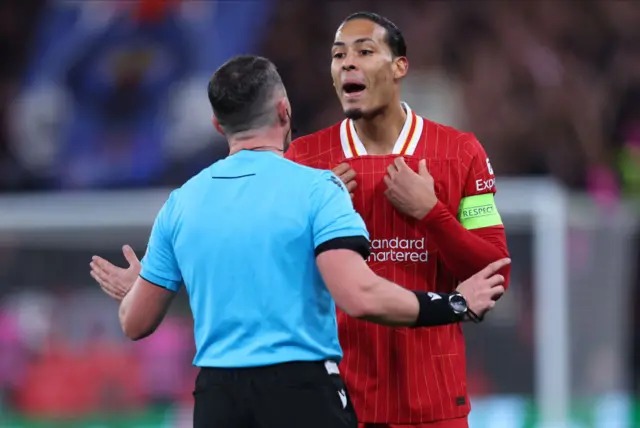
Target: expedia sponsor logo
(398, 250)
(482, 185)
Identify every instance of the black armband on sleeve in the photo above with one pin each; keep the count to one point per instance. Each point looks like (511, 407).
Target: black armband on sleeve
(359, 244)
(435, 310)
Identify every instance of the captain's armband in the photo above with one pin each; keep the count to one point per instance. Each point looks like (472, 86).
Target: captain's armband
(479, 211)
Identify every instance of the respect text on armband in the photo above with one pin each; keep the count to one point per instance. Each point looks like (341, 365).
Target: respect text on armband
(479, 211)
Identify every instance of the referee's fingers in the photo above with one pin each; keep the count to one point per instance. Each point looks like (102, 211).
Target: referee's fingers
(130, 255)
(107, 279)
(495, 280)
(111, 293)
(96, 277)
(99, 275)
(108, 287)
(102, 263)
(494, 267)
(496, 292)
(101, 282)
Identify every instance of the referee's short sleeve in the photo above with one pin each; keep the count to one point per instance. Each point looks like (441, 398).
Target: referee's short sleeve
(159, 265)
(336, 224)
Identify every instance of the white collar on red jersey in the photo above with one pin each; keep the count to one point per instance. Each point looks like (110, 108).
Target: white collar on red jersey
(405, 145)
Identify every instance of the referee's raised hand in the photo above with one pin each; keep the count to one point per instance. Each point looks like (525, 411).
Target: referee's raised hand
(483, 289)
(114, 280)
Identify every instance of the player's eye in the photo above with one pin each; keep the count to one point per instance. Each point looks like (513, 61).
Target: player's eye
(338, 55)
(366, 52)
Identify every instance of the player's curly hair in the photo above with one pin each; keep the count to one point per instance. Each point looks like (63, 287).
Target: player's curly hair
(241, 93)
(394, 38)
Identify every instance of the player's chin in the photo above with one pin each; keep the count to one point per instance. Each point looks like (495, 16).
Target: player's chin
(353, 113)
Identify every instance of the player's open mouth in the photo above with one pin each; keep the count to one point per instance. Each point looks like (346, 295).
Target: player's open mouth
(353, 90)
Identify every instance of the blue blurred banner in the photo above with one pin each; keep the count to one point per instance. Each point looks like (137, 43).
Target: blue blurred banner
(108, 94)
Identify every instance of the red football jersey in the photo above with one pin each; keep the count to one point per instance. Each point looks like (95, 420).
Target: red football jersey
(403, 375)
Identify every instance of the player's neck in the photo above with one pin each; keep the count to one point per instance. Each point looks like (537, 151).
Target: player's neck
(380, 133)
(263, 140)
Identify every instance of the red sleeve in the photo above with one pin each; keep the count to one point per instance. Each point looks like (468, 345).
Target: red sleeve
(466, 252)
(480, 178)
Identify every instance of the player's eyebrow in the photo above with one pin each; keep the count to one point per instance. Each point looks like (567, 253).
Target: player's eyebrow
(355, 42)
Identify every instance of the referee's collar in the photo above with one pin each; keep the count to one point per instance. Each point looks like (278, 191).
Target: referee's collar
(248, 152)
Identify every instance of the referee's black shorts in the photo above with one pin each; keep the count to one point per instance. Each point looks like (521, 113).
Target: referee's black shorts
(289, 395)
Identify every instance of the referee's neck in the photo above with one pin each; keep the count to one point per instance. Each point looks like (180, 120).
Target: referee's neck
(263, 140)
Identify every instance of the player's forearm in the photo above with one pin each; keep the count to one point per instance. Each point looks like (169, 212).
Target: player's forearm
(463, 251)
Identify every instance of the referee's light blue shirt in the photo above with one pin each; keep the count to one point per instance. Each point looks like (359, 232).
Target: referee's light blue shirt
(241, 236)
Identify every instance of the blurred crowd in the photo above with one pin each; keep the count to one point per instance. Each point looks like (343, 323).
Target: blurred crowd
(62, 351)
(112, 94)
(57, 363)
(548, 87)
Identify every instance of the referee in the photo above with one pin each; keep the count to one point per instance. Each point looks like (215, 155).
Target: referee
(264, 246)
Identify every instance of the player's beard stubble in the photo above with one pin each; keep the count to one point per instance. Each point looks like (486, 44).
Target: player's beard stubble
(354, 113)
(358, 113)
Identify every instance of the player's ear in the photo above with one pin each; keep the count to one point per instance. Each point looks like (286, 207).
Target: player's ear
(216, 125)
(400, 67)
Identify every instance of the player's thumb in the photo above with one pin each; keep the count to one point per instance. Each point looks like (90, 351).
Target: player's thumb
(130, 255)
(422, 168)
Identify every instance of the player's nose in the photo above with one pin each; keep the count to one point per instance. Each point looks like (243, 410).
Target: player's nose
(349, 62)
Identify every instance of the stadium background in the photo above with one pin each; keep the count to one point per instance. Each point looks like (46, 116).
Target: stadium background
(103, 108)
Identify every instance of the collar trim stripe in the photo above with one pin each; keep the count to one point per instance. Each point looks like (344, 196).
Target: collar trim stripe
(405, 145)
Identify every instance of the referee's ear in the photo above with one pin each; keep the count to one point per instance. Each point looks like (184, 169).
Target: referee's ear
(284, 107)
(216, 125)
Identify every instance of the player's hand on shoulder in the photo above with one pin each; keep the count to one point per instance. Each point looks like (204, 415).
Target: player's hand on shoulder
(485, 287)
(347, 175)
(116, 281)
(412, 193)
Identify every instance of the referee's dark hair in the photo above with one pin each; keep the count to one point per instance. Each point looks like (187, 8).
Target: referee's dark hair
(241, 93)
(394, 37)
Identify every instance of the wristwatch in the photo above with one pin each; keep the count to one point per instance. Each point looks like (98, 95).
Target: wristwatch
(458, 304)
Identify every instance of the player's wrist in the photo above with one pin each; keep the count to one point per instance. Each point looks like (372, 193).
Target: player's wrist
(425, 208)
(433, 217)
(437, 309)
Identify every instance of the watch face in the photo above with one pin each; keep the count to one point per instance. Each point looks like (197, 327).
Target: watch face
(458, 304)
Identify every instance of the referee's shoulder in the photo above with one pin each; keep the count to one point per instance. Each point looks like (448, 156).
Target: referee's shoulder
(194, 183)
(307, 180)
